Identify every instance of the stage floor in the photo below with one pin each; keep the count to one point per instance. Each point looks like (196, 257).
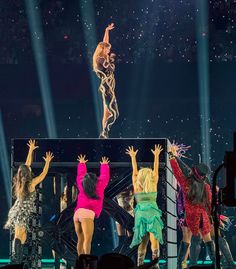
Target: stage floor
(49, 263)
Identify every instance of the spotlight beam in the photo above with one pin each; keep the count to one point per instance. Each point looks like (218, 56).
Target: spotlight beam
(37, 38)
(203, 77)
(90, 36)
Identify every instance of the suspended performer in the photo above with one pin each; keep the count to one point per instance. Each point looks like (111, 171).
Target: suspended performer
(147, 216)
(104, 67)
(24, 184)
(90, 201)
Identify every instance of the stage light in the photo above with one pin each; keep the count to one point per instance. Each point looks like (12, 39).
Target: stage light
(203, 77)
(37, 37)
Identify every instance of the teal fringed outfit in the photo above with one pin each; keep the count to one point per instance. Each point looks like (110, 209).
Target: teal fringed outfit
(147, 218)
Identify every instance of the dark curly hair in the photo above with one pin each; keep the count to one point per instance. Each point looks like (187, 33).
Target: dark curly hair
(197, 192)
(89, 184)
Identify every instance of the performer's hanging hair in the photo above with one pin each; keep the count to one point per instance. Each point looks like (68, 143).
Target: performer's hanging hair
(24, 191)
(148, 223)
(89, 202)
(197, 202)
(196, 191)
(102, 51)
(103, 65)
(22, 181)
(89, 184)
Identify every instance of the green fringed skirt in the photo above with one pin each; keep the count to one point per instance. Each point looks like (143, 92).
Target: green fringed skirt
(147, 220)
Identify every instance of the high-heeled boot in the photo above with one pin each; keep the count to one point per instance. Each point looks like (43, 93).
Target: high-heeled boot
(195, 250)
(141, 257)
(104, 134)
(155, 256)
(183, 248)
(224, 248)
(17, 251)
(210, 247)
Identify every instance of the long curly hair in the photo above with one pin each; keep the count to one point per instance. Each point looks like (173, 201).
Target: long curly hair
(145, 180)
(22, 181)
(197, 193)
(89, 184)
(99, 52)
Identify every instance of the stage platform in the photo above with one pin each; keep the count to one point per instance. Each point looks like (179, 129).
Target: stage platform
(57, 232)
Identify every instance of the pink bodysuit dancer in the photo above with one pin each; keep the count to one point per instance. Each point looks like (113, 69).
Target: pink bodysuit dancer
(89, 205)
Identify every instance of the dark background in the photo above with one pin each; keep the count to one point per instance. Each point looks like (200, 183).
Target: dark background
(156, 73)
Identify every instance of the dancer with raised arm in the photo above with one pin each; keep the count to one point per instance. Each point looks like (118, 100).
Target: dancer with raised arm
(89, 202)
(24, 191)
(148, 223)
(103, 65)
(180, 150)
(197, 202)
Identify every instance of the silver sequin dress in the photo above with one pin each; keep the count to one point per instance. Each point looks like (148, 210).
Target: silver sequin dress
(20, 212)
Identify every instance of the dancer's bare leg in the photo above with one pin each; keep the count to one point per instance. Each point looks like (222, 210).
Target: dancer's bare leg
(80, 236)
(20, 233)
(88, 229)
(142, 249)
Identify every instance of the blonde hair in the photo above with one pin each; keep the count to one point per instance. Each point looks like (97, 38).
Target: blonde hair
(99, 52)
(145, 180)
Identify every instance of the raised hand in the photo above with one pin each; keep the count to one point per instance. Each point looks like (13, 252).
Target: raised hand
(105, 160)
(49, 156)
(157, 150)
(110, 26)
(31, 144)
(172, 149)
(131, 152)
(82, 158)
(181, 149)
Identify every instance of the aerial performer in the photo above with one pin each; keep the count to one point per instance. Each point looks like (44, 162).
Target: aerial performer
(104, 67)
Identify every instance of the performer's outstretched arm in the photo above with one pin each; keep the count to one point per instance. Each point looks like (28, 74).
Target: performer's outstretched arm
(156, 152)
(132, 153)
(106, 35)
(175, 166)
(81, 169)
(32, 147)
(48, 158)
(104, 171)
